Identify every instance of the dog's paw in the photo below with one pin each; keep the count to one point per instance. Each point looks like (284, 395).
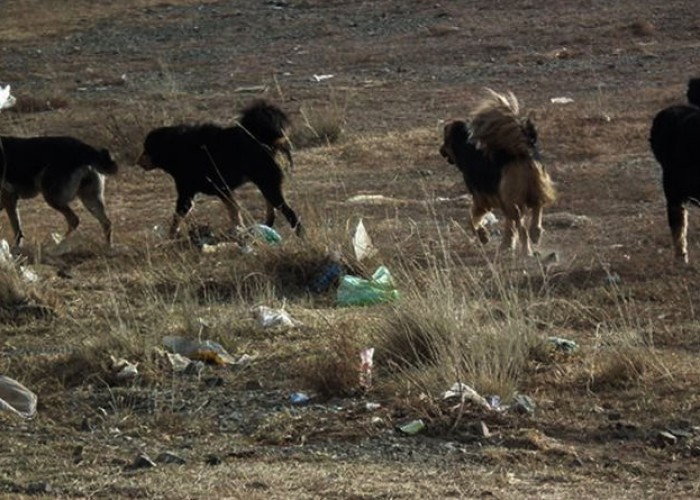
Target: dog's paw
(483, 235)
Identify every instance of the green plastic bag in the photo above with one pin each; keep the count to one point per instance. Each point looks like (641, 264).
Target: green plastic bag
(355, 291)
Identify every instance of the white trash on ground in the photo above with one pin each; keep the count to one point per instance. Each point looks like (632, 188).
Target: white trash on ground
(271, 318)
(561, 100)
(16, 398)
(123, 369)
(362, 243)
(366, 365)
(464, 392)
(7, 100)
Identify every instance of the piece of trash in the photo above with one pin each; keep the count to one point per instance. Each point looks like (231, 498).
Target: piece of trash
(613, 279)
(267, 234)
(202, 235)
(561, 100)
(199, 350)
(272, 318)
(16, 398)
(523, 404)
(490, 218)
(494, 401)
(373, 199)
(413, 427)
(178, 362)
(465, 393)
(6, 259)
(356, 291)
(299, 398)
(564, 345)
(372, 406)
(219, 247)
(251, 88)
(28, 274)
(168, 457)
(143, 461)
(123, 369)
(366, 364)
(362, 243)
(329, 274)
(7, 100)
(320, 78)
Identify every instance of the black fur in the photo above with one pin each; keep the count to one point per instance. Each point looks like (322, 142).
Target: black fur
(674, 140)
(60, 168)
(213, 160)
(481, 174)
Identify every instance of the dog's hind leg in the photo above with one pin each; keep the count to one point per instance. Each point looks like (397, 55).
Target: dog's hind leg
(91, 195)
(270, 214)
(536, 224)
(71, 218)
(274, 197)
(9, 203)
(678, 221)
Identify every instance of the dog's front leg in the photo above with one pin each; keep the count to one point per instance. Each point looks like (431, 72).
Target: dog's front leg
(182, 208)
(9, 203)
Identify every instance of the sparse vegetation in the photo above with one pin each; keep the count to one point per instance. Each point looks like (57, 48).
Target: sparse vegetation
(365, 147)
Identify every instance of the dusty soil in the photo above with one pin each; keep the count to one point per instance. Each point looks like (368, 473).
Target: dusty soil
(109, 71)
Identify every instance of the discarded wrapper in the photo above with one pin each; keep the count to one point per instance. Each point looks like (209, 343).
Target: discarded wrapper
(362, 243)
(7, 100)
(299, 398)
(16, 398)
(199, 350)
(412, 427)
(366, 365)
(271, 318)
(466, 393)
(123, 369)
(356, 291)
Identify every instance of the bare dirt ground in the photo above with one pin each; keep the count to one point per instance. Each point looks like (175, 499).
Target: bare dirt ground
(107, 72)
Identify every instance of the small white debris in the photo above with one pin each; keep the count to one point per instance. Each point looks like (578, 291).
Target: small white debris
(561, 100)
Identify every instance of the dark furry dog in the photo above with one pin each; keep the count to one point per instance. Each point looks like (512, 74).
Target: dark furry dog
(60, 168)
(674, 142)
(213, 160)
(497, 154)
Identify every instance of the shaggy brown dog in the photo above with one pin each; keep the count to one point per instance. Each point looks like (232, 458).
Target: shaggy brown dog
(497, 154)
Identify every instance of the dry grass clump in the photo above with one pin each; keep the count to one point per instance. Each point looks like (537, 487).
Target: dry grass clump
(335, 371)
(445, 331)
(321, 127)
(20, 303)
(34, 104)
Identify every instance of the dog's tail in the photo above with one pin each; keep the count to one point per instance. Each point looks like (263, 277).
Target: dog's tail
(541, 185)
(104, 163)
(496, 125)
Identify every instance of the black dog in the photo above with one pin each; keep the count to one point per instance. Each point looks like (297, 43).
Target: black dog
(61, 168)
(213, 160)
(674, 142)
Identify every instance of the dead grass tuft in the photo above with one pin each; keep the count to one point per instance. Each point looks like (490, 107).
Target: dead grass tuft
(321, 127)
(335, 371)
(34, 104)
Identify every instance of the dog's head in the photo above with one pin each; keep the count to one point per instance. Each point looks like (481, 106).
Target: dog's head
(532, 138)
(151, 146)
(455, 132)
(269, 125)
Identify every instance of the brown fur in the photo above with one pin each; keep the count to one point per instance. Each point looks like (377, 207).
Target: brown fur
(495, 153)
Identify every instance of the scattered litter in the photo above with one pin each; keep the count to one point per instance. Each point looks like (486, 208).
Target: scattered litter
(362, 243)
(372, 406)
(219, 247)
(7, 100)
(377, 420)
(272, 318)
(465, 393)
(299, 398)
(268, 234)
(6, 258)
(494, 401)
(320, 78)
(329, 274)
(356, 291)
(251, 88)
(143, 461)
(202, 235)
(665, 438)
(374, 199)
(413, 427)
(564, 345)
(613, 279)
(523, 404)
(566, 220)
(123, 369)
(179, 362)
(561, 100)
(28, 274)
(199, 350)
(168, 457)
(490, 218)
(366, 364)
(16, 398)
